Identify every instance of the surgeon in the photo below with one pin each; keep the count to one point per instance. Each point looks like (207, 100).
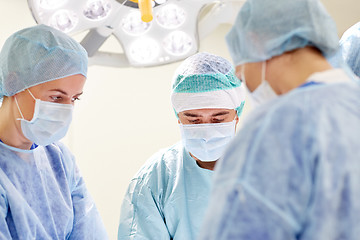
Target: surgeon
(293, 171)
(167, 198)
(42, 193)
(349, 51)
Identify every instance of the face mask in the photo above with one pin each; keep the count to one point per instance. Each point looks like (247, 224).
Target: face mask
(263, 93)
(207, 142)
(49, 123)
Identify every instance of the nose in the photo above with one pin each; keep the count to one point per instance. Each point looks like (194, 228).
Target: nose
(68, 101)
(206, 120)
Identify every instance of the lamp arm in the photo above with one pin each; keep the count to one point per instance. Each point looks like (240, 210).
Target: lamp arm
(223, 12)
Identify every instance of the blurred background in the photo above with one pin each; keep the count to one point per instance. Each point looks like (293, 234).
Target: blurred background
(125, 114)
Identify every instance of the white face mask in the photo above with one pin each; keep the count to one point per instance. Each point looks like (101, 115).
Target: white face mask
(49, 123)
(263, 93)
(207, 142)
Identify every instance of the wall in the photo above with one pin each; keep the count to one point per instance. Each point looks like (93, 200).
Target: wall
(125, 114)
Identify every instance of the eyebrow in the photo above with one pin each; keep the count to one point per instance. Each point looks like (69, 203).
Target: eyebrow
(221, 113)
(63, 92)
(214, 115)
(59, 90)
(192, 115)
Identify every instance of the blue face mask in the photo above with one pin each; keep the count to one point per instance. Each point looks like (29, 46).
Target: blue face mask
(207, 142)
(49, 124)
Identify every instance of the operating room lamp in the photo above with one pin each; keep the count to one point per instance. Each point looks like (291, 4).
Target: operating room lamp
(172, 34)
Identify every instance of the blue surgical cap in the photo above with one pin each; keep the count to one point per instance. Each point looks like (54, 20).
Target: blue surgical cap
(205, 80)
(36, 55)
(350, 48)
(267, 28)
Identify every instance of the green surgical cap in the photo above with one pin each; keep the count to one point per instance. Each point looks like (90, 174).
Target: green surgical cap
(205, 80)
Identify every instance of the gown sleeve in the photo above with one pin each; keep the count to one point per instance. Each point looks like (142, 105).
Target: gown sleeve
(141, 213)
(262, 187)
(87, 221)
(4, 231)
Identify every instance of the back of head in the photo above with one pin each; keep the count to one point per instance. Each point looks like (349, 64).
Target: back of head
(205, 80)
(350, 48)
(36, 55)
(266, 28)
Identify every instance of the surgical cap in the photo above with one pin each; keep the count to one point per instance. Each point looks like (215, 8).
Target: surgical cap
(205, 80)
(36, 55)
(350, 48)
(267, 28)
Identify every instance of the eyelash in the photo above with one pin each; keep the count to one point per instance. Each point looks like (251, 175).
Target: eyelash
(194, 121)
(55, 98)
(58, 99)
(213, 120)
(75, 99)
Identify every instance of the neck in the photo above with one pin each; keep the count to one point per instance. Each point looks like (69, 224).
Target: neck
(294, 68)
(10, 130)
(205, 165)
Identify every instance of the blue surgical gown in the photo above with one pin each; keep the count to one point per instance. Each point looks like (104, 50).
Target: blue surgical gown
(293, 171)
(166, 199)
(43, 196)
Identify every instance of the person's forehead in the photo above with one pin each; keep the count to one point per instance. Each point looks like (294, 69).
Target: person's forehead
(206, 111)
(71, 84)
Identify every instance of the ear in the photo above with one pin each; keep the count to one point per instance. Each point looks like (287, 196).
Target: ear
(178, 121)
(19, 93)
(16, 95)
(3, 100)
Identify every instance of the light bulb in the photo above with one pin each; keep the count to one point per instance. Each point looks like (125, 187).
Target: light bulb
(132, 24)
(144, 50)
(97, 9)
(51, 4)
(171, 16)
(177, 43)
(64, 20)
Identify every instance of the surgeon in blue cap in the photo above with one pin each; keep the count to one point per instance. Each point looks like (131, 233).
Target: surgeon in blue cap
(42, 193)
(293, 171)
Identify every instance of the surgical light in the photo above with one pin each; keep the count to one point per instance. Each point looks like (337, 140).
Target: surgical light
(144, 50)
(172, 35)
(133, 25)
(178, 43)
(64, 20)
(171, 16)
(97, 9)
(51, 4)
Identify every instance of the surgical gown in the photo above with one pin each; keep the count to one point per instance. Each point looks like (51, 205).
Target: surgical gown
(166, 199)
(293, 171)
(43, 196)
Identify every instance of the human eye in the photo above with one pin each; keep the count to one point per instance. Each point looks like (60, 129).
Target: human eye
(56, 98)
(218, 120)
(194, 121)
(75, 99)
